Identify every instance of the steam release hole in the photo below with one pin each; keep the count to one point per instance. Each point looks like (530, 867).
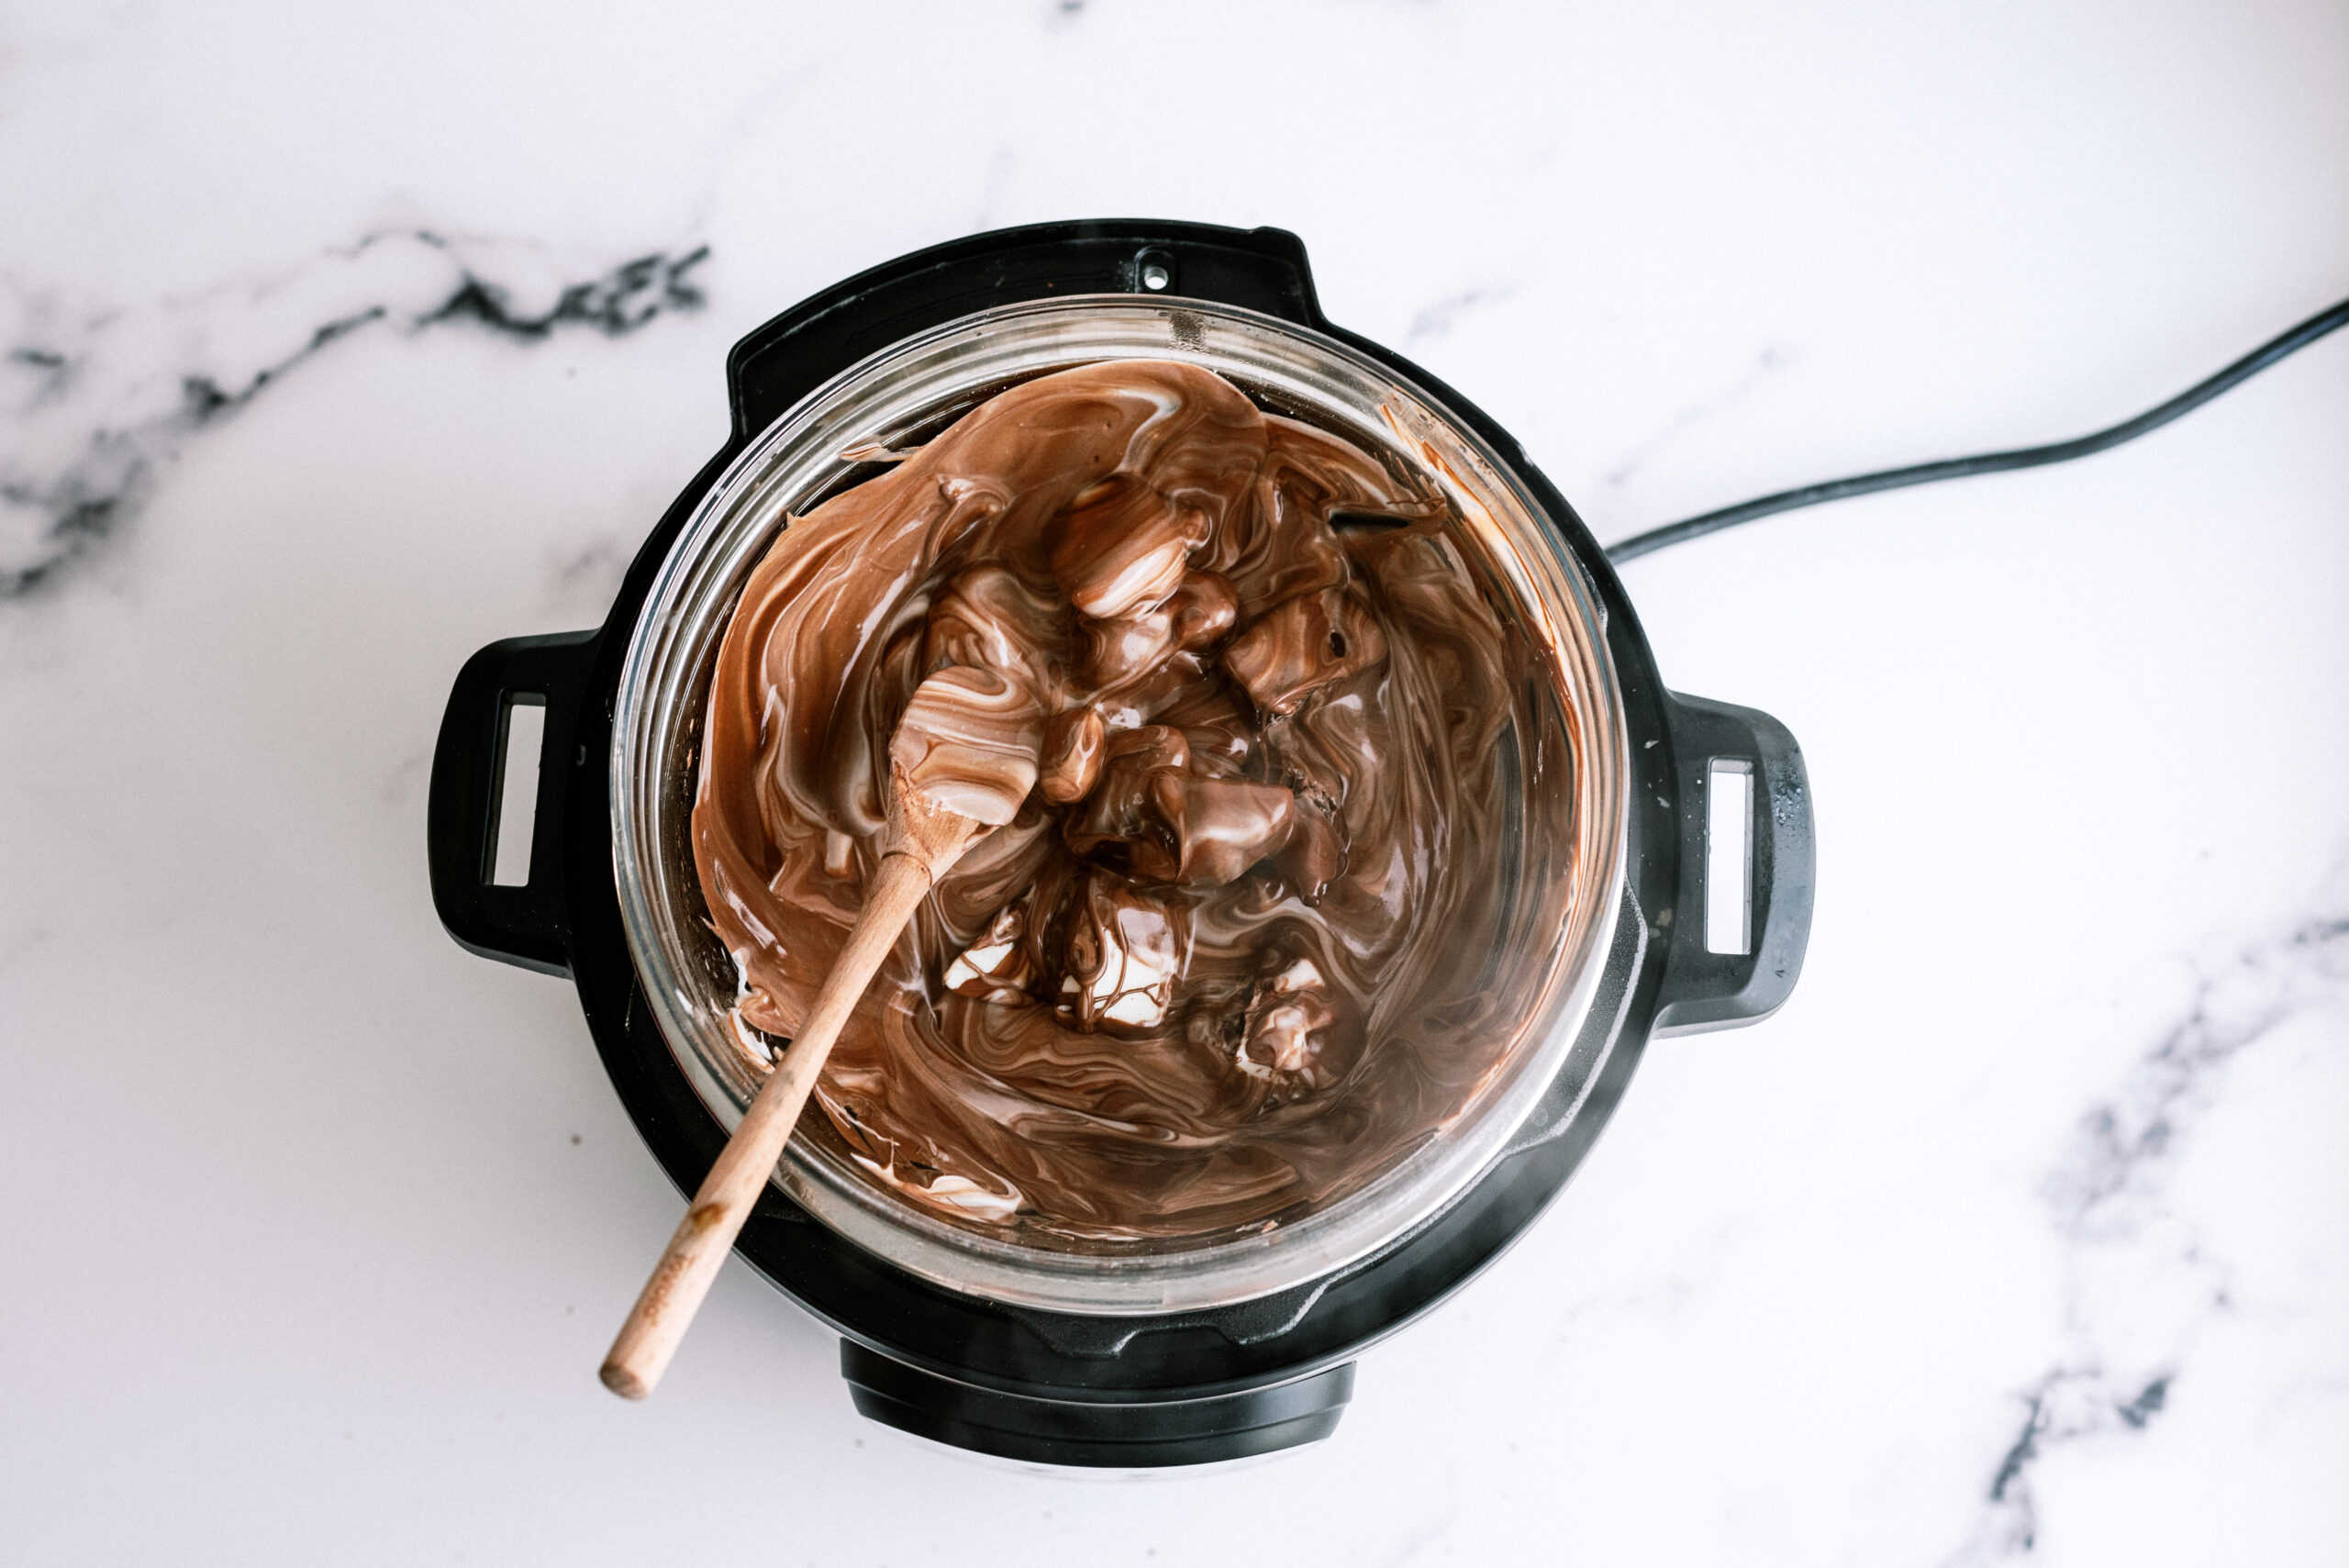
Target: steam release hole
(1728, 856)
(1154, 270)
(517, 790)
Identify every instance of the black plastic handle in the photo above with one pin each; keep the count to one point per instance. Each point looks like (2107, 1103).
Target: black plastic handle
(1708, 990)
(526, 923)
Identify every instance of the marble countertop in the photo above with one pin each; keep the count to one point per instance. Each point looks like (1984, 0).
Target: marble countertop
(331, 349)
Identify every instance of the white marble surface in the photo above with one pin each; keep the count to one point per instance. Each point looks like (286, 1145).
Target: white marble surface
(2023, 1233)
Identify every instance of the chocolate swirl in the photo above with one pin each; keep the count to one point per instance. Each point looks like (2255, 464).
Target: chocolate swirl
(1236, 701)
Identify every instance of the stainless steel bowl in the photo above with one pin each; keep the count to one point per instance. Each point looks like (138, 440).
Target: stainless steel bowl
(1564, 757)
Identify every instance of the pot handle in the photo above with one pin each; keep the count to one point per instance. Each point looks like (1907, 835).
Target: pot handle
(1709, 990)
(526, 923)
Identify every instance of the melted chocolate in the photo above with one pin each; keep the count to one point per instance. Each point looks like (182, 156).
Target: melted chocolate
(1229, 950)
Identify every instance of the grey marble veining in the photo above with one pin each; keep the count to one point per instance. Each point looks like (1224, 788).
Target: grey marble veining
(1439, 317)
(2106, 1198)
(107, 396)
(1771, 361)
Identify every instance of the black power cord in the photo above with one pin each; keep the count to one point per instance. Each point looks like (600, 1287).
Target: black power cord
(2153, 418)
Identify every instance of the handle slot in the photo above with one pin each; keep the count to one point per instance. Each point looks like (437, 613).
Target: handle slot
(522, 743)
(1729, 855)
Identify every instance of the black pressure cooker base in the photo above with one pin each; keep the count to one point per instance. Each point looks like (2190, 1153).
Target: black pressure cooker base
(1253, 1377)
(1130, 1435)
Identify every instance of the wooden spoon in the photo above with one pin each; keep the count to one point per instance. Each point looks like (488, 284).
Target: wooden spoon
(921, 843)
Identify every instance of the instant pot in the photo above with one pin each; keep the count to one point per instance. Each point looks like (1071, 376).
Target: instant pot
(1109, 1354)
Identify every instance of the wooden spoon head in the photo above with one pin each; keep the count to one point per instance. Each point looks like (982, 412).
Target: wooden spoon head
(928, 832)
(967, 744)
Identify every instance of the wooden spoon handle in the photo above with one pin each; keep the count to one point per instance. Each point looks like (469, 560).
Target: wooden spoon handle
(671, 1298)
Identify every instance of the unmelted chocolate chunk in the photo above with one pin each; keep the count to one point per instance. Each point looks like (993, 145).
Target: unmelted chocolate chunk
(1225, 955)
(1073, 744)
(1117, 816)
(1155, 817)
(1125, 955)
(1202, 609)
(1308, 643)
(1219, 827)
(997, 967)
(1290, 1029)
